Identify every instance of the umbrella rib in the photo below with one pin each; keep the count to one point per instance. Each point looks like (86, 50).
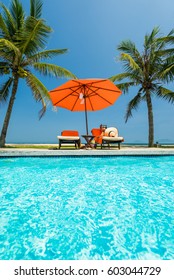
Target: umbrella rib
(79, 83)
(67, 95)
(74, 104)
(99, 96)
(106, 89)
(59, 89)
(92, 91)
(91, 103)
(98, 88)
(90, 83)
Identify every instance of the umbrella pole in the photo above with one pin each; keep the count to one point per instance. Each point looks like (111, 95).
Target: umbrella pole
(86, 117)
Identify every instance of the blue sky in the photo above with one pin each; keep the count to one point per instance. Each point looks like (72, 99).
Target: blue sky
(92, 30)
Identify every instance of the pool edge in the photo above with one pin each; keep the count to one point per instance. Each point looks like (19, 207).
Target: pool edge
(85, 153)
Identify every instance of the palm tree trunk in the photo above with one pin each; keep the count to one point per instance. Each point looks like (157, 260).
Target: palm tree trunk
(150, 119)
(8, 113)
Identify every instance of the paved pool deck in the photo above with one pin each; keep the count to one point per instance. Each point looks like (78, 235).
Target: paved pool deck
(52, 151)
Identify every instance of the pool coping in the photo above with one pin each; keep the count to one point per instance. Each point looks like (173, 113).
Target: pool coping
(82, 152)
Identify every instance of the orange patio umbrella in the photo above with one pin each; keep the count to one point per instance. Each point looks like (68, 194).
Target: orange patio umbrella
(85, 95)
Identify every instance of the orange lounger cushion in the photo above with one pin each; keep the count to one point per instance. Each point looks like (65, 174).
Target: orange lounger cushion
(69, 133)
(69, 136)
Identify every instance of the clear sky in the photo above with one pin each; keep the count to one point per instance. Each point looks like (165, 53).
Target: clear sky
(92, 30)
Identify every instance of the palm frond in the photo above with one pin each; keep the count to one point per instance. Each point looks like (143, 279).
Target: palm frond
(3, 28)
(43, 110)
(33, 36)
(165, 52)
(129, 48)
(125, 86)
(163, 43)
(168, 73)
(8, 19)
(171, 33)
(39, 91)
(48, 54)
(53, 70)
(126, 57)
(149, 40)
(9, 46)
(4, 90)
(36, 8)
(122, 76)
(165, 94)
(133, 105)
(18, 14)
(169, 38)
(4, 68)
(6, 55)
(38, 88)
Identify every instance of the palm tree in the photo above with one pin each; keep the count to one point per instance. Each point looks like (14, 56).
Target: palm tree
(22, 49)
(145, 71)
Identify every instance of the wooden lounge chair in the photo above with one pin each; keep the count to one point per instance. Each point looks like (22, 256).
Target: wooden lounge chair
(69, 137)
(110, 136)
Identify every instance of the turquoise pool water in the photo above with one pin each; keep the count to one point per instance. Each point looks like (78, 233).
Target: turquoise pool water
(87, 208)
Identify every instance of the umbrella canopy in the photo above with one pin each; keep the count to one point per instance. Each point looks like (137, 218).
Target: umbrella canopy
(85, 95)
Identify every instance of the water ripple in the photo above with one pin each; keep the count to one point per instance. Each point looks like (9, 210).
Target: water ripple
(100, 208)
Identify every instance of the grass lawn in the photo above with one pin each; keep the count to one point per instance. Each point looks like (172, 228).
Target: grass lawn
(68, 147)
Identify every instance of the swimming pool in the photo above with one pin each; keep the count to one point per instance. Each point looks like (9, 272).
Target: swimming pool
(87, 208)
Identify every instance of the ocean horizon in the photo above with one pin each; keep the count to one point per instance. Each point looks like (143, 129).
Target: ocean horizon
(124, 143)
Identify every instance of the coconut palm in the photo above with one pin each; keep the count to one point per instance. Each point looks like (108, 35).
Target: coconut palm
(22, 50)
(145, 71)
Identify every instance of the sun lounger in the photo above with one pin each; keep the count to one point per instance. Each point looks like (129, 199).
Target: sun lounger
(109, 136)
(69, 137)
